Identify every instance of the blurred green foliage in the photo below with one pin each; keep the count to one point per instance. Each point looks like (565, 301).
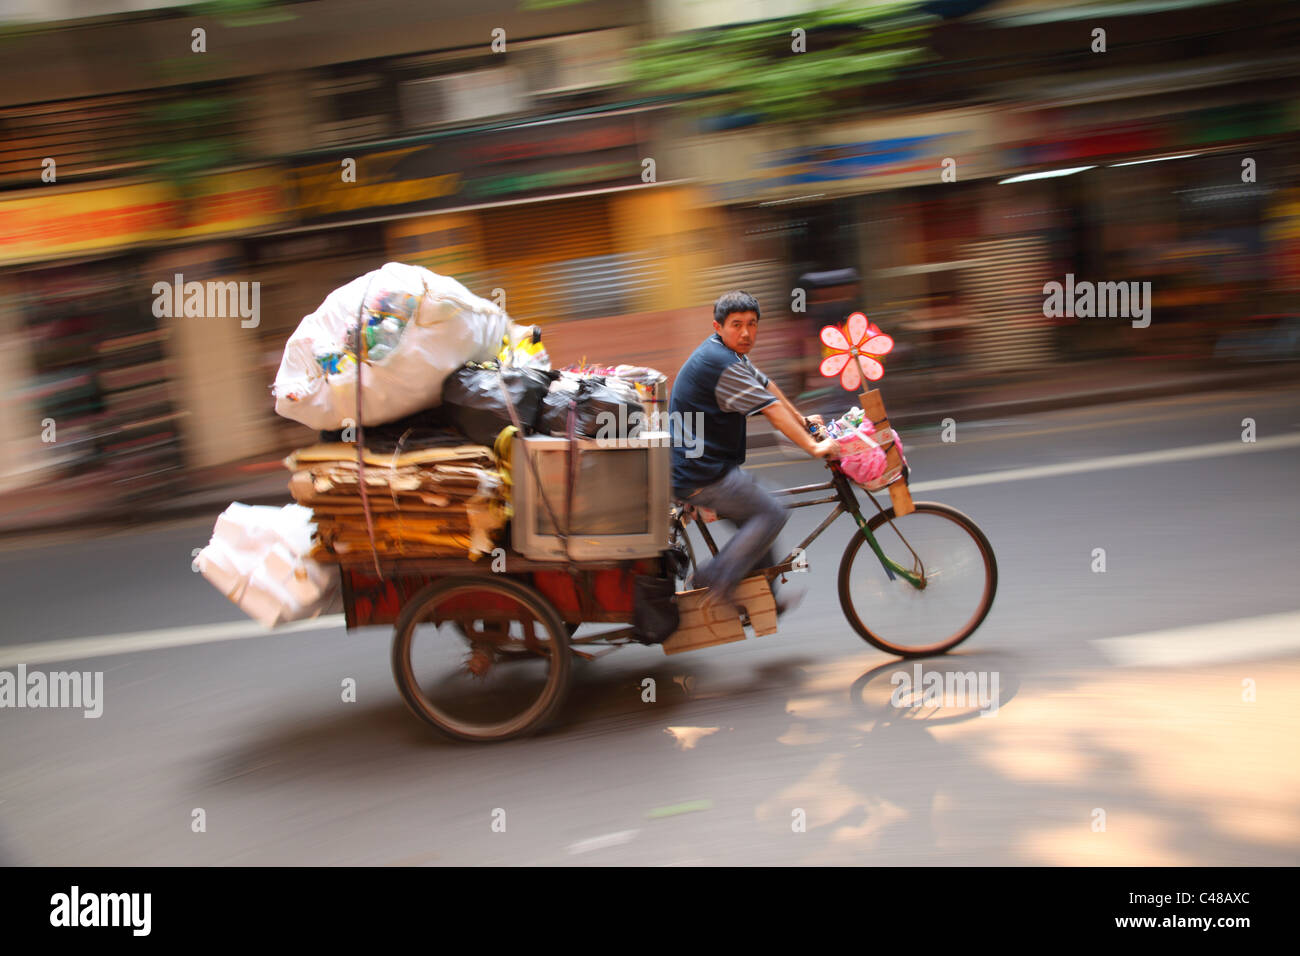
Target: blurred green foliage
(189, 137)
(241, 12)
(753, 68)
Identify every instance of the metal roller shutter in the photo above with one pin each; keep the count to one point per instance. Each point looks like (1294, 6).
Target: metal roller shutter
(1004, 292)
(555, 260)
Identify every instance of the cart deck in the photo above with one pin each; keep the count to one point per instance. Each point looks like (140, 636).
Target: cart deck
(581, 591)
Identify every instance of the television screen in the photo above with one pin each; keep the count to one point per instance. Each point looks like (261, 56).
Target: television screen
(610, 495)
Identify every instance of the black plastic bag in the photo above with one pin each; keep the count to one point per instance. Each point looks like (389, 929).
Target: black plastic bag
(602, 412)
(474, 404)
(677, 562)
(655, 615)
(553, 412)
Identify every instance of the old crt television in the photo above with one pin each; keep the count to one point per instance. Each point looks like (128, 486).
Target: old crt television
(620, 497)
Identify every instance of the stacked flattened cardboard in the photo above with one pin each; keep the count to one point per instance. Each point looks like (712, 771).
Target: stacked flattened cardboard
(443, 501)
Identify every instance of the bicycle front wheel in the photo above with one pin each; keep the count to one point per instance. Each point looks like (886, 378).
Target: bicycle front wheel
(958, 577)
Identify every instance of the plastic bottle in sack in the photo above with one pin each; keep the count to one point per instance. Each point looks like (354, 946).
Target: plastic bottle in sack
(851, 420)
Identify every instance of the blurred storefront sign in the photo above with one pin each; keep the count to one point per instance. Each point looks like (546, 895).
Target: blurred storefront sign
(450, 244)
(1248, 121)
(536, 159)
(521, 162)
(1284, 233)
(41, 225)
(1126, 140)
(386, 181)
(1066, 137)
(846, 159)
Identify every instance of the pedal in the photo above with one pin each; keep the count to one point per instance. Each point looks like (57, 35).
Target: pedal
(698, 628)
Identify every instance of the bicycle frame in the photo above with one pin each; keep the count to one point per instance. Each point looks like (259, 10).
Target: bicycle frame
(845, 501)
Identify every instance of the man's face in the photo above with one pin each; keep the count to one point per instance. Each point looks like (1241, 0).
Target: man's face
(739, 332)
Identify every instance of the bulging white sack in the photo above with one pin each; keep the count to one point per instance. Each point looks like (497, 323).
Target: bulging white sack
(423, 326)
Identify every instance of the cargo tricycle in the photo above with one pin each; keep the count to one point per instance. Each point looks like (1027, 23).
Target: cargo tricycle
(483, 649)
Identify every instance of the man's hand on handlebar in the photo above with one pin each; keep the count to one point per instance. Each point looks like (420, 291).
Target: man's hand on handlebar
(827, 448)
(817, 428)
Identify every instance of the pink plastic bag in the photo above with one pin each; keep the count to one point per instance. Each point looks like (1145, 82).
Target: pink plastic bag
(867, 466)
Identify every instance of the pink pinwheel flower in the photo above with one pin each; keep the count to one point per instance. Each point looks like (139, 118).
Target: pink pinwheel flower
(856, 349)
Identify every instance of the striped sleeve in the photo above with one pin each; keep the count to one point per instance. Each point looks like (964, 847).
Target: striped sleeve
(739, 390)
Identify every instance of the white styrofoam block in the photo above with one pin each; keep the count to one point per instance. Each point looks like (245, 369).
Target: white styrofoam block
(216, 565)
(279, 562)
(294, 526)
(242, 526)
(308, 592)
(241, 560)
(257, 558)
(306, 580)
(265, 603)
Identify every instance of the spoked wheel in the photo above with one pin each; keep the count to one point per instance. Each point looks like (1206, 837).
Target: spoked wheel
(956, 568)
(481, 658)
(472, 629)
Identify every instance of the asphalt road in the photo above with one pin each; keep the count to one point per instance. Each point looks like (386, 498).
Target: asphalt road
(1147, 714)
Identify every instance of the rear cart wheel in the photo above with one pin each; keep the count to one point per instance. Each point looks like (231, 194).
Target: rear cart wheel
(481, 658)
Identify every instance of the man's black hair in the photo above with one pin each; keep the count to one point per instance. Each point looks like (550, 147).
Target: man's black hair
(734, 302)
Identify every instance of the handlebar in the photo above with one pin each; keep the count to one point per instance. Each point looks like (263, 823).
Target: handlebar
(820, 433)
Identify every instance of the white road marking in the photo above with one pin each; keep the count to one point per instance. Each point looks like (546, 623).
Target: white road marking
(1164, 456)
(601, 842)
(106, 645)
(1251, 637)
(1212, 450)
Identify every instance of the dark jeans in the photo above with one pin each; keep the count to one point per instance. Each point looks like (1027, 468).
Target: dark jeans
(758, 518)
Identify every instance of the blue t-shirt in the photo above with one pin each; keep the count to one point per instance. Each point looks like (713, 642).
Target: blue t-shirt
(724, 388)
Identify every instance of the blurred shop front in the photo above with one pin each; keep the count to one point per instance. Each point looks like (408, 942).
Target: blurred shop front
(1160, 194)
(554, 212)
(953, 256)
(895, 199)
(552, 218)
(105, 388)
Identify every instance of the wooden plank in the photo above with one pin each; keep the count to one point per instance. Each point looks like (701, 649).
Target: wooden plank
(697, 628)
(873, 406)
(901, 496)
(754, 594)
